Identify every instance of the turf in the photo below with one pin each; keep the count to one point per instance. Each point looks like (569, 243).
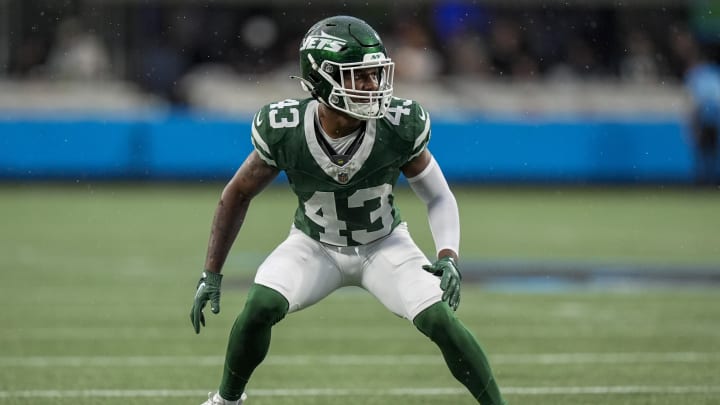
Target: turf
(97, 283)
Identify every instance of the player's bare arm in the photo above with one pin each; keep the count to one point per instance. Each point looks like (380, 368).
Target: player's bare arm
(417, 165)
(250, 179)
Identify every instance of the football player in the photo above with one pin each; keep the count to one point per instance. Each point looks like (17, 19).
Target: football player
(343, 150)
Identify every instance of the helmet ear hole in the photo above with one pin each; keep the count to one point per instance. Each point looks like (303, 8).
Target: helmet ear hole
(315, 78)
(316, 82)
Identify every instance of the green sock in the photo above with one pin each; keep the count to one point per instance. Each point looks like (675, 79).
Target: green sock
(250, 338)
(462, 352)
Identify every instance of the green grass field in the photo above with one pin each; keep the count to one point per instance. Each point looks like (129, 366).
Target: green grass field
(97, 282)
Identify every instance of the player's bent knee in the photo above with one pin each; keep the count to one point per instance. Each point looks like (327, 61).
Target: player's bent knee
(264, 306)
(435, 321)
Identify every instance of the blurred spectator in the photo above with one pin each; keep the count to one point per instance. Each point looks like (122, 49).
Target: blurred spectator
(638, 65)
(454, 18)
(169, 40)
(505, 46)
(525, 67)
(467, 55)
(160, 66)
(579, 62)
(258, 49)
(259, 32)
(28, 56)
(415, 56)
(702, 80)
(461, 29)
(78, 54)
(509, 55)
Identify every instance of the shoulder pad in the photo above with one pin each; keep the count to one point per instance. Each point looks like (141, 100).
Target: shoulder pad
(273, 123)
(410, 122)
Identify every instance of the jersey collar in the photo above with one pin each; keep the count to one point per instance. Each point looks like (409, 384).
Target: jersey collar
(341, 174)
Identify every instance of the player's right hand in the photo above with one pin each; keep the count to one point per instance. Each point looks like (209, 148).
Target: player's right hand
(208, 289)
(450, 277)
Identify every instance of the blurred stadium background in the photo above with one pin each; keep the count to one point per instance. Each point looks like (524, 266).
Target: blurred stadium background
(588, 91)
(591, 229)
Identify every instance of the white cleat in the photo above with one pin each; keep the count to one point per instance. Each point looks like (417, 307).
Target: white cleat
(216, 399)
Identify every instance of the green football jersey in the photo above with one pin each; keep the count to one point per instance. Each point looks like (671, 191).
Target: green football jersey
(349, 202)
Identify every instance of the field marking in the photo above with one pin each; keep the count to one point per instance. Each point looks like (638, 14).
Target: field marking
(359, 360)
(340, 392)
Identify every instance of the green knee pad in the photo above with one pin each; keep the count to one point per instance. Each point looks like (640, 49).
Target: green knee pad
(433, 322)
(264, 306)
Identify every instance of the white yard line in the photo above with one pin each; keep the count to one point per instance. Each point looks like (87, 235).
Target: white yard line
(359, 360)
(608, 358)
(340, 392)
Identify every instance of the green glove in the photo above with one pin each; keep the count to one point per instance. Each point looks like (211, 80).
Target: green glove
(208, 289)
(450, 279)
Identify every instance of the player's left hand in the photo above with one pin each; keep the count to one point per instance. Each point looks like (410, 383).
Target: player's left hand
(208, 289)
(447, 270)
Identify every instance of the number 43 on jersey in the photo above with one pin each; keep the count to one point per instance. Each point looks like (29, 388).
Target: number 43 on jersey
(321, 208)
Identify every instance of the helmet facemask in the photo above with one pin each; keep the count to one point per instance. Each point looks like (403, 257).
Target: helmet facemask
(345, 94)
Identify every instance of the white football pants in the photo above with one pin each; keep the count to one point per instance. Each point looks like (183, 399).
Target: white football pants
(305, 271)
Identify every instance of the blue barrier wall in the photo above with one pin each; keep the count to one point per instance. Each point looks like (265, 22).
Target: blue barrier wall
(190, 147)
(571, 150)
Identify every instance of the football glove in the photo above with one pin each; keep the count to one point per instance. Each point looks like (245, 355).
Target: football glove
(450, 277)
(208, 289)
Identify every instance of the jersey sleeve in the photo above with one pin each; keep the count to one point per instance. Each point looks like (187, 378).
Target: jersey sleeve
(411, 123)
(261, 137)
(422, 131)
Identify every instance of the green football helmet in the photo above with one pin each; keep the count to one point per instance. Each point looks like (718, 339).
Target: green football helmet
(332, 55)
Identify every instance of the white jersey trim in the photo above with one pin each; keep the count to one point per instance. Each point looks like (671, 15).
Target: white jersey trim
(341, 174)
(262, 147)
(423, 137)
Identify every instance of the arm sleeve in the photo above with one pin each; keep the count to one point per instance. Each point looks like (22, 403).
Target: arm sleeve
(432, 188)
